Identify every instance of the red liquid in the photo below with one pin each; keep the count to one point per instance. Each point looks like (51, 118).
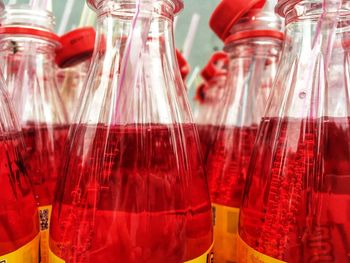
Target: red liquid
(206, 133)
(44, 153)
(127, 194)
(18, 213)
(227, 164)
(297, 204)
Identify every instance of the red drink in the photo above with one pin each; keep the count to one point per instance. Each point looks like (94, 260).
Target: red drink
(206, 136)
(227, 164)
(297, 204)
(127, 194)
(18, 213)
(44, 153)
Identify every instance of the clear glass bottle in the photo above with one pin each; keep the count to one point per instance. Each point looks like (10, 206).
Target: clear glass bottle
(73, 59)
(133, 183)
(70, 82)
(297, 197)
(27, 53)
(253, 43)
(19, 226)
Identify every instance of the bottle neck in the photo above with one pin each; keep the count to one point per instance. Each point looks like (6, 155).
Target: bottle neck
(312, 77)
(35, 55)
(119, 35)
(134, 61)
(252, 68)
(262, 47)
(28, 46)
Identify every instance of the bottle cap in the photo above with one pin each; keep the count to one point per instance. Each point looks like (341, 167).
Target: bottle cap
(257, 22)
(200, 92)
(213, 69)
(228, 12)
(184, 66)
(77, 46)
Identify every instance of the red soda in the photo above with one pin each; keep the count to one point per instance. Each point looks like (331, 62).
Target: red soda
(228, 162)
(44, 153)
(298, 205)
(18, 213)
(125, 199)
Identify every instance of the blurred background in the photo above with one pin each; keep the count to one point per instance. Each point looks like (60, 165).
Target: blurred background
(192, 34)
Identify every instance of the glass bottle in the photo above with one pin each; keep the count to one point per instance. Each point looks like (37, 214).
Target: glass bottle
(27, 53)
(73, 59)
(297, 197)
(19, 226)
(133, 183)
(253, 42)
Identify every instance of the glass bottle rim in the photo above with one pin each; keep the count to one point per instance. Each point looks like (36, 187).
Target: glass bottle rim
(25, 16)
(24, 21)
(283, 6)
(177, 4)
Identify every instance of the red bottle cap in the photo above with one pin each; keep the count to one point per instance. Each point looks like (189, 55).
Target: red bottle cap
(228, 12)
(17, 30)
(77, 46)
(200, 92)
(211, 69)
(184, 66)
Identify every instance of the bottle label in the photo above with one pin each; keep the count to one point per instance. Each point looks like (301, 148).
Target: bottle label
(247, 254)
(53, 258)
(44, 220)
(29, 253)
(207, 257)
(225, 233)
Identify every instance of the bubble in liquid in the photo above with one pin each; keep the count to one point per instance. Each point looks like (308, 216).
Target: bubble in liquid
(302, 95)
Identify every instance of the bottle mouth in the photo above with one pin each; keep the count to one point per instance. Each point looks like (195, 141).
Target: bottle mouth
(24, 20)
(96, 5)
(28, 17)
(284, 6)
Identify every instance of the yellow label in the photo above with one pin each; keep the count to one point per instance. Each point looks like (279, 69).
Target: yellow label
(246, 254)
(44, 220)
(53, 258)
(207, 257)
(225, 233)
(29, 253)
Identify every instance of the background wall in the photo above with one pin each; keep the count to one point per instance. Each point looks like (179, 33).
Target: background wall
(205, 42)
